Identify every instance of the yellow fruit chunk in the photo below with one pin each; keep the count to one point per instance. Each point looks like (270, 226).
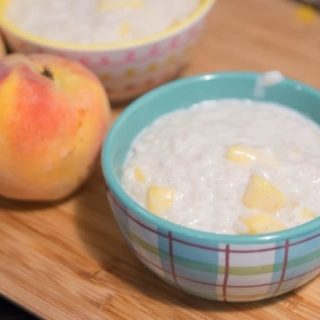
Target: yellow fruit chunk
(241, 154)
(102, 5)
(263, 195)
(261, 223)
(124, 29)
(139, 175)
(159, 199)
(307, 214)
(109, 5)
(245, 155)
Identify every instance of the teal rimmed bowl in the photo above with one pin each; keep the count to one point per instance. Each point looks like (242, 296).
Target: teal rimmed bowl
(213, 266)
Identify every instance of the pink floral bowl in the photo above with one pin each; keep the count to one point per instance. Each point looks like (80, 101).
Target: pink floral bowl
(127, 69)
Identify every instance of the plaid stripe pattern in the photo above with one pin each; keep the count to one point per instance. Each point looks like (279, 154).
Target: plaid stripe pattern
(221, 271)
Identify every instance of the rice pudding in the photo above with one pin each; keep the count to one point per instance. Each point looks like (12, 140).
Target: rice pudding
(228, 166)
(98, 21)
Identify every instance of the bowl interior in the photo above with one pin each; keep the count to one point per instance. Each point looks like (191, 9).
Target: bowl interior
(184, 93)
(9, 26)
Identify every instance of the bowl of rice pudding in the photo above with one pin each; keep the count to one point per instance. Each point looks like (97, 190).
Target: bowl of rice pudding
(132, 45)
(214, 183)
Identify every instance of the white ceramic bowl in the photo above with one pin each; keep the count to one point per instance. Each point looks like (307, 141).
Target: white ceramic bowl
(127, 69)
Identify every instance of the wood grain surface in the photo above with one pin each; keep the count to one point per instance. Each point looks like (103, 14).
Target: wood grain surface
(68, 260)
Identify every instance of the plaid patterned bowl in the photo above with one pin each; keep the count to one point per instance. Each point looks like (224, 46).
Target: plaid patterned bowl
(217, 267)
(127, 69)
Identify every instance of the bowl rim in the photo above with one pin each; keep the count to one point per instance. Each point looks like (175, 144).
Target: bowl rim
(8, 26)
(140, 212)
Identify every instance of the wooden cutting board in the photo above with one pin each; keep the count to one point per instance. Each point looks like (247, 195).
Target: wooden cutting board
(68, 260)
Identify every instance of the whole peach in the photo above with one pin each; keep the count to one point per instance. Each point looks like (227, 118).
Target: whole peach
(54, 114)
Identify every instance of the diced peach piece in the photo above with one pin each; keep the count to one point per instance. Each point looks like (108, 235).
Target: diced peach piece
(263, 195)
(241, 154)
(104, 5)
(135, 3)
(307, 214)
(244, 155)
(124, 29)
(261, 223)
(159, 199)
(139, 175)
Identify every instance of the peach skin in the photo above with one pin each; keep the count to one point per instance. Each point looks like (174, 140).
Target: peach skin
(54, 114)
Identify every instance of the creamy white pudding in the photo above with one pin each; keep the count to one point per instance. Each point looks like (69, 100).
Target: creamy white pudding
(228, 166)
(98, 21)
